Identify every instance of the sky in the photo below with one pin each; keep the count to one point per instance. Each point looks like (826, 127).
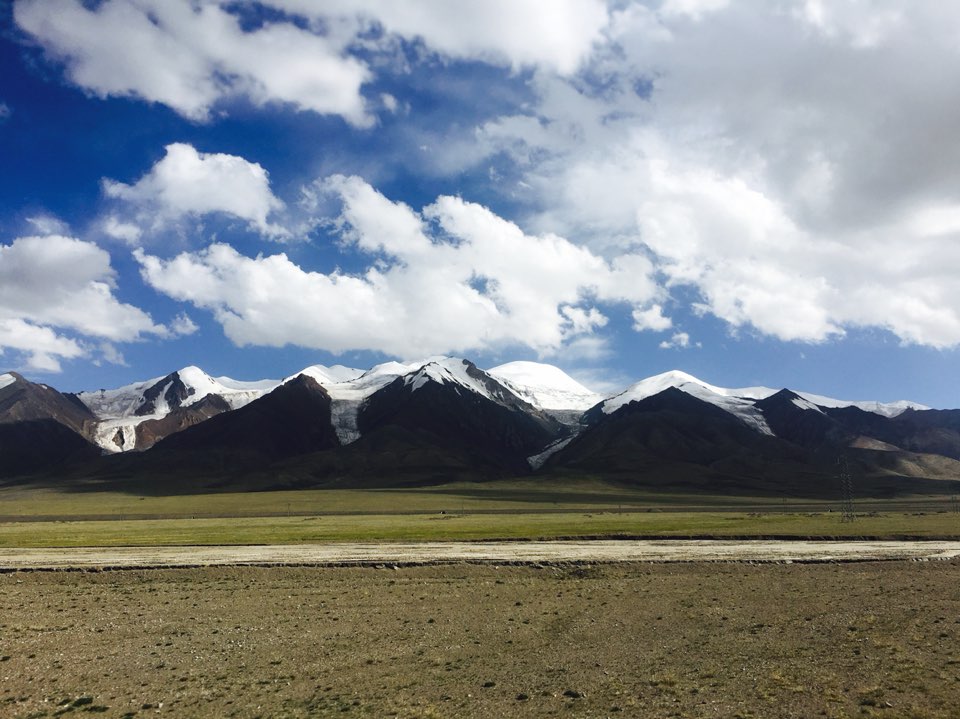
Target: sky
(755, 192)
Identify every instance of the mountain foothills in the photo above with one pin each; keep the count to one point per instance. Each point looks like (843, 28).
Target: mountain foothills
(444, 419)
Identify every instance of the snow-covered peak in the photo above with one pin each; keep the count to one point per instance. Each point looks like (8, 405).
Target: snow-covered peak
(332, 375)
(6, 380)
(545, 386)
(353, 385)
(116, 403)
(446, 370)
(685, 382)
(738, 402)
(885, 409)
(236, 393)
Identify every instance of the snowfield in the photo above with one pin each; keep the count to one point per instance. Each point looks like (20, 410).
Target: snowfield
(545, 386)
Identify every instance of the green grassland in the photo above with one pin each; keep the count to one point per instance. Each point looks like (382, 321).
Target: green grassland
(433, 527)
(523, 509)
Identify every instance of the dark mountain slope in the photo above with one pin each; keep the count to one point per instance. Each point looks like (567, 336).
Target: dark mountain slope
(151, 431)
(40, 446)
(674, 440)
(802, 424)
(41, 429)
(292, 419)
(25, 401)
(473, 429)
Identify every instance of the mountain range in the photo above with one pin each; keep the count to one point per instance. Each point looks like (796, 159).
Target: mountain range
(444, 419)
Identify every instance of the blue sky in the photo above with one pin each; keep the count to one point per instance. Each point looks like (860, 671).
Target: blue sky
(753, 192)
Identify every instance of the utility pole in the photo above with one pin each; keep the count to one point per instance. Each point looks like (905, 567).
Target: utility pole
(847, 513)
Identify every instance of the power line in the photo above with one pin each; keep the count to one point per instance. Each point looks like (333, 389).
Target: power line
(847, 513)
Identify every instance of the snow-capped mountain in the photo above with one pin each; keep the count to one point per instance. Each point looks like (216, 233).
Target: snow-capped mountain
(545, 386)
(443, 419)
(741, 402)
(129, 417)
(137, 415)
(738, 402)
(349, 388)
(121, 411)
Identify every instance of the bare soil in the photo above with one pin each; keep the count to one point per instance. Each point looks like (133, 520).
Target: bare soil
(480, 640)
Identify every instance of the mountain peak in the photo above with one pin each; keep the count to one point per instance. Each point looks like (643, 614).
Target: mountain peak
(738, 402)
(545, 386)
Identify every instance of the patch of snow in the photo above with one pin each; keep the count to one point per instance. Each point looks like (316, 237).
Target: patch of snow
(106, 433)
(885, 409)
(545, 386)
(805, 404)
(6, 380)
(536, 461)
(117, 403)
(738, 402)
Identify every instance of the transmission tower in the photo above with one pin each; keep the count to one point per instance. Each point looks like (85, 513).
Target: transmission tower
(847, 513)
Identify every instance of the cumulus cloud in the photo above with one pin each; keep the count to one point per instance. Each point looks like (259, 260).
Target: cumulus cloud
(42, 347)
(556, 34)
(122, 230)
(182, 325)
(651, 318)
(52, 284)
(191, 56)
(186, 183)
(454, 277)
(799, 196)
(679, 340)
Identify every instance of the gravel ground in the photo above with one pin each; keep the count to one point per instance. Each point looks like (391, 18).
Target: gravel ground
(485, 640)
(429, 552)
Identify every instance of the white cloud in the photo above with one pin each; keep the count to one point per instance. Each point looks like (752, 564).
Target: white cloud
(679, 340)
(118, 229)
(48, 225)
(823, 197)
(5, 111)
(192, 55)
(557, 34)
(53, 284)
(453, 278)
(182, 325)
(187, 183)
(651, 318)
(42, 347)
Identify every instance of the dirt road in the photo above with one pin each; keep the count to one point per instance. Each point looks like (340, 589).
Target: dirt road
(504, 552)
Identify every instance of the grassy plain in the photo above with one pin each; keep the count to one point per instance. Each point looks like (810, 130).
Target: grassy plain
(520, 495)
(38, 517)
(452, 527)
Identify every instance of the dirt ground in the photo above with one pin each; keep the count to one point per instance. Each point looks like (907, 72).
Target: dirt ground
(468, 640)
